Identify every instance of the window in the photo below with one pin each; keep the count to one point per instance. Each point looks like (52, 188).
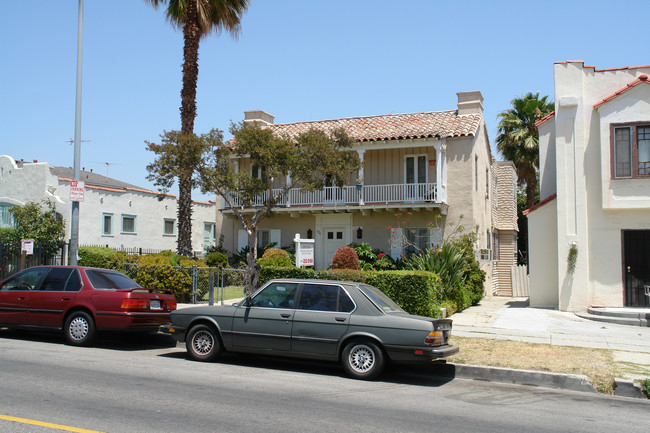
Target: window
(475, 172)
(62, 279)
(496, 246)
(417, 239)
(263, 238)
(107, 224)
(631, 151)
(258, 172)
(169, 227)
(487, 183)
(25, 280)
(324, 297)
(276, 295)
(416, 169)
(6, 218)
(128, 224)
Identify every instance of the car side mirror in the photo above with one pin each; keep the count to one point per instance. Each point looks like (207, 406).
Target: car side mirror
(248, 301)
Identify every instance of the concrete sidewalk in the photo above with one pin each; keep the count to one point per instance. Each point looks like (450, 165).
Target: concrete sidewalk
(506, 318)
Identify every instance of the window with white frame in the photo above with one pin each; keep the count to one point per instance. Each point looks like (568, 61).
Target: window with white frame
(631, 151)
(417, 240)
(258, 172)
(6, 218)
(169, 227)
(129, 224)
(107, 224)
(263, 238)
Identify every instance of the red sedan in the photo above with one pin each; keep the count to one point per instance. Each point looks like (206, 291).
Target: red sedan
(81, 301)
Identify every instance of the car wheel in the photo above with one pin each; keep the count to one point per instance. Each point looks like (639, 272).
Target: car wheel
(79, 329)
(363, 360)
(203, 343)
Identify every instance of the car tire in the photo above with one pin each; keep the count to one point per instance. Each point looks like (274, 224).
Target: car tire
(363, 359)
(79, 329)
(203, 343)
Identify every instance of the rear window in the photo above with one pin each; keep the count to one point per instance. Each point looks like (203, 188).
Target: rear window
(110, 280)
(379, 298)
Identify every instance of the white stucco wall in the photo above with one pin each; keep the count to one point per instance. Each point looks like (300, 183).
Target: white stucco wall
(34, 182)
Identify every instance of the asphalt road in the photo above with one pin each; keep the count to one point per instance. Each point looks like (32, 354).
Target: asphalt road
(140, 384)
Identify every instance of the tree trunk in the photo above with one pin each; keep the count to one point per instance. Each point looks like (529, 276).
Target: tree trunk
(251, 261)
(531, 186)
(184, 245)
(191, 36)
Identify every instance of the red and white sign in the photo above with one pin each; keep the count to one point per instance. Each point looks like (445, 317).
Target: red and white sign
(27, 246)
(306, 254)
(77, 190)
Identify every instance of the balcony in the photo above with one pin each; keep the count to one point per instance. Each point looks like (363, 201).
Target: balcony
(353, 196)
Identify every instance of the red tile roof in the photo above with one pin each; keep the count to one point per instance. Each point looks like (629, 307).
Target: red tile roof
(602, 70)
(545, 118)
(439, 124)
(548, 199)
(642, 79)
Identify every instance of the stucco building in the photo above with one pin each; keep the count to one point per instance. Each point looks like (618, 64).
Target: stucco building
(113, 213)
(594, 190)
(421, 174)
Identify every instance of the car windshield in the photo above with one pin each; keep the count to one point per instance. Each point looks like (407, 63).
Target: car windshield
(110, 280)
(380, 299)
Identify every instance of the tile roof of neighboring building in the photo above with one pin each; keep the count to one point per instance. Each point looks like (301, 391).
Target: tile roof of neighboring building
(548, 199)
(92, 178)
(439, 124)
(602, 70)
(545, 118)
(642, 79)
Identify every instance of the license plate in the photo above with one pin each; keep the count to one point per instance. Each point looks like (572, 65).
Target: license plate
(155, 305)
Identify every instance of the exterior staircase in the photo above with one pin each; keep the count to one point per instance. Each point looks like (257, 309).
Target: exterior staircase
(621, 316)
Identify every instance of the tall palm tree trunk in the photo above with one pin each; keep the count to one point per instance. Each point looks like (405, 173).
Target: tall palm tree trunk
(191, 36)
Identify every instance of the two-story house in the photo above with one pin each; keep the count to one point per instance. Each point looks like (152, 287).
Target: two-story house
(589, 237)
(113, 213)
(421, 175)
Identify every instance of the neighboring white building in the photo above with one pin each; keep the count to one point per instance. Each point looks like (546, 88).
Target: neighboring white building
(113, 213)
(595, 191)
(416, 169)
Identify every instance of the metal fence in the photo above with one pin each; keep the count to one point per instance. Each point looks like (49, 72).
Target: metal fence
(44, 254)
(192, 284)
(129, 250)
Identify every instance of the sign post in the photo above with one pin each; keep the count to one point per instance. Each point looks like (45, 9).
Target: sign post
(304, 251)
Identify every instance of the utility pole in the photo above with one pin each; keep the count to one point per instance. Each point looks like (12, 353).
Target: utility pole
(74, 218)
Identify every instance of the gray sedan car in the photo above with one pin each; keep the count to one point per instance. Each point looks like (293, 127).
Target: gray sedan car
(328, 320)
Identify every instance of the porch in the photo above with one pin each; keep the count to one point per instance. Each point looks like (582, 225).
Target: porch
(350, 195)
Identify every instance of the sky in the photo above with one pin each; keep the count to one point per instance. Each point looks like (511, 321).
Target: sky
(298, 60)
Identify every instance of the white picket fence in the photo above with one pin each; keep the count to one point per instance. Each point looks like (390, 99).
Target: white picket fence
(519, 279)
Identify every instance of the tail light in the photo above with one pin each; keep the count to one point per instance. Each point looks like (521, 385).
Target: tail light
(434, 338)
(134, 304)
(171, 305)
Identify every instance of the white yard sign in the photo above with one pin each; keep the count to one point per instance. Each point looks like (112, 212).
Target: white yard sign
(77, 190)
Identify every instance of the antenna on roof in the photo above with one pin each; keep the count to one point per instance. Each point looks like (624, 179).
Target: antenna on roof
(108, 165)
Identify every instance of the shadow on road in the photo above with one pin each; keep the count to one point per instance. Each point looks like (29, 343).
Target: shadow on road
(105, 340)
(435, 374)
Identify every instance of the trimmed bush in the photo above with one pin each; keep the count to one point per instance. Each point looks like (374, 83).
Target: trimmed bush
(216, 259)
(100, 257)
(275, 257)
(345, 258)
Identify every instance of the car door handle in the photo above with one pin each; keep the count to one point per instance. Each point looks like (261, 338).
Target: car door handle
(65, 299)
(22, 298)
(340, 319)
(285, 315)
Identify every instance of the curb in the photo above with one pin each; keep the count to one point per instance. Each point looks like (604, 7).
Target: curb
(573, 382)
(627, 388)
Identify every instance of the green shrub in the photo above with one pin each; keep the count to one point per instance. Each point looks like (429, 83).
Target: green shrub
(166, 277)
(275, 257)
(345, 258)
(645, 384)
(416, 292)
(216, 259)
(100, 257)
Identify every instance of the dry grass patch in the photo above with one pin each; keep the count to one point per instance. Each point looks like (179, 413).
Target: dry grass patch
(597, 364)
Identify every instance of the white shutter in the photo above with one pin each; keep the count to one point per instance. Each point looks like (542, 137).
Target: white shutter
(242, 240)
(396, 243)
(276, 236)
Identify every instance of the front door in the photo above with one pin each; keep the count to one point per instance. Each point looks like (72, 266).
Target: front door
(266, 324)
(636, 267)
(416, 177)
(334, 239)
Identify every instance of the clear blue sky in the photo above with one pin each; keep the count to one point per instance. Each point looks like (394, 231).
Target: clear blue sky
(296, 59)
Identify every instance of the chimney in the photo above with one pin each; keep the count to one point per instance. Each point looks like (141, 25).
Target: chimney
(262, 118)
(470, 102)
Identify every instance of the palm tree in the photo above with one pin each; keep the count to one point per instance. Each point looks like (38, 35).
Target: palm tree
(518, 140)
(197, 18)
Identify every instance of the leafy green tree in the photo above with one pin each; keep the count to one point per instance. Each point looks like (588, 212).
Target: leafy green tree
(197, 19)
(36, 221)
(305, 162)
(518, 140)
(178, 156)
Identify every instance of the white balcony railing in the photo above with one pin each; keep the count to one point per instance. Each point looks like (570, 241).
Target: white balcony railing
(352, 195)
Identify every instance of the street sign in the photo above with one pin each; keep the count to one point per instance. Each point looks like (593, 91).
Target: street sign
(77, 190)
(27, 246)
